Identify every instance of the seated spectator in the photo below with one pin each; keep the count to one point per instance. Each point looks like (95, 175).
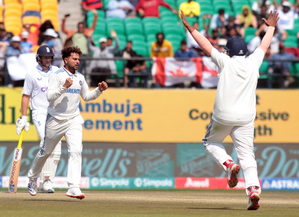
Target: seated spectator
(4, 36)
(91, 4)
(190, 8)
(57, 53)
(104, 67)
(135, 66)
(162, 47)
(230, 29)
(33, 34)
(282, 68)
(280, 6)
(184, 52)
(215, 33)
(26, 45)
(42, 29)
(246, 18)
(109, 41)
(150, 8)
(120, 9)
(257, 6)
(219, 20)
(286, 15)
(127, 52)
(79, 38)
(263, 14)
(15, 48)
(50, 34)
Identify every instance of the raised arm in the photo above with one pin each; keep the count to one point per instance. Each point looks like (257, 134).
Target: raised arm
(95, 19)
(271, 23)
(202, 41)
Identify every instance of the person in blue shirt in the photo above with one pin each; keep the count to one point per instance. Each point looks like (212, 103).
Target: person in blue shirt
(26, 45)
(120, 9)
(184, 52)
(15, 48)
(282, 68)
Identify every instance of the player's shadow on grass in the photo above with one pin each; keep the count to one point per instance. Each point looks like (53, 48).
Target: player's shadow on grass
(66, 200)
(216, 208)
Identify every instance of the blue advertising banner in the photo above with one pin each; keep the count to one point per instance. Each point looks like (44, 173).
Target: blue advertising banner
(0, 182)
(280, 184)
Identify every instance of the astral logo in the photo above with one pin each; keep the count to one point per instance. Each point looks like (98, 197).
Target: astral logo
(44, 89)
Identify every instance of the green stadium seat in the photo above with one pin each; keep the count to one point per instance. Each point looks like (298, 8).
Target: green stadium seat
(151, 38)
(291, 31)
(250, 31)
(136, 38)
(141, 50)
(248, 38)
(137, 43)
(292, 38)
(206, 11)
(171, 30)
(264, 69)
(171, 3)
(290, 44)
(191, 20)
(237, 7)
(112, 20)
(151, 20)
(174, 38)
(294, 68)
(99, 20)
(204, 3)
(105, 4)
(224, 6)
(117, 27)
(169, 20)
(152, 28)
(119, 68)
(215, 2)
(133, 29)
(134, 20)
(100, 29)
(167, 13)
(175, 46)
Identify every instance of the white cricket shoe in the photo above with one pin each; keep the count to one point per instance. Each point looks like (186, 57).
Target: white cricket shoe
(75, 193)
(232, 174)
(254, 198)
(32, 186)
(46, 187)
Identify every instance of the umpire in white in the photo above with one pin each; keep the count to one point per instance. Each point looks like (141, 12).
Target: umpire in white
(35, 90)
(234, 108)
(64, 119)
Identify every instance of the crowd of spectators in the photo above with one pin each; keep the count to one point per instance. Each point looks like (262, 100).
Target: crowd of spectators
(217, 28)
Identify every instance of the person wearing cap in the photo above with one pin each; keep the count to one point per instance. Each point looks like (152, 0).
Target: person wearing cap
(282, 68)
(105, 67)
(15, 48)
(234, 108)
(57, 53)
(50, 34)
(26, 45)
(286, 15)
(221, 44)
(184, 52)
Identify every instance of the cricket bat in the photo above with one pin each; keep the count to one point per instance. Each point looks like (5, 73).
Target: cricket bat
(15, 166)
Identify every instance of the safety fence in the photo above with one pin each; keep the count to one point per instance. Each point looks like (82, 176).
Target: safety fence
(119, 76)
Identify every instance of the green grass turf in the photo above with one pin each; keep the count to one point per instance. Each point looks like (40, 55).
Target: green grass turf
(147, 203)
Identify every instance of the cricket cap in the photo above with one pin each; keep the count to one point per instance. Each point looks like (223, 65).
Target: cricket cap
(286, 4)
(236, 46)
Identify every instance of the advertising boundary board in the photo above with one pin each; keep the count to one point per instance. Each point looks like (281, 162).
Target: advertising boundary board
(161, 115)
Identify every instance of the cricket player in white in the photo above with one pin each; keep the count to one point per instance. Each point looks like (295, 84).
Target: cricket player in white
(34, 90)
(64, 119)
(234, 108)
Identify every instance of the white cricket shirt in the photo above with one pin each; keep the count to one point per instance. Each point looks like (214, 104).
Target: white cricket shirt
(64, 103)
(235, 98)
(36, 85)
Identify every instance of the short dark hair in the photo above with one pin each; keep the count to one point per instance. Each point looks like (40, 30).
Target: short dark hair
(183, 42)
(221, 11)
(81, 23)
(67, 51)
(109, 38)
(160, 33)
(129, 42)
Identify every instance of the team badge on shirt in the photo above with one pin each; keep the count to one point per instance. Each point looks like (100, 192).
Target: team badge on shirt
(80, 82)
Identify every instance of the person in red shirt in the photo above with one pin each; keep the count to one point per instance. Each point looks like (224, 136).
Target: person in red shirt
(91, 4)
(150, 8)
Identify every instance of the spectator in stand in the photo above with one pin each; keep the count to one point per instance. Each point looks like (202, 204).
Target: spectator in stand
(109, 41)
(51, 34)
(221, 44)
(105, 67)
(15, 48)
(57, 53)
(229, 28)
(42, 29)
(257, 6)
(3, 47)
(191, 43)
(135, 66)
(286, 15)
(150, 8)
(127, 52)
(255, 42)
(25, 44)
(162, 47)
(246, 19)
(79, 38)
(190, 8)
(282, 68)
(280, 6)
(262, 15)
(219, 20)
(184, 52)
(91, 4)
(215, 32)
(33, 34)
(120, 9)
(4, 36)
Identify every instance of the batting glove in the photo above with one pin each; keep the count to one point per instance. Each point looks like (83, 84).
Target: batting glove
(22, 123)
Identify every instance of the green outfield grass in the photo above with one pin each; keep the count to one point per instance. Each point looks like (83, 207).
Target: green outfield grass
(147, 203)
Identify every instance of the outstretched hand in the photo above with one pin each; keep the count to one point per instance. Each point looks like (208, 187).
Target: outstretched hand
(184, 20)
(272, 20)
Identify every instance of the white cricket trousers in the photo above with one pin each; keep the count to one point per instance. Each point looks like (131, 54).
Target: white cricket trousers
(242, 137)
(72, 131)
(39, 117)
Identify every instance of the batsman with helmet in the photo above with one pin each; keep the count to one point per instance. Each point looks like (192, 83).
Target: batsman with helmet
(234, 108)
(34, 90)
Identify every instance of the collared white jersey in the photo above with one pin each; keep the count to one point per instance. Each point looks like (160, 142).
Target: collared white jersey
(64, 102)
(36, 85)
(235, 98)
